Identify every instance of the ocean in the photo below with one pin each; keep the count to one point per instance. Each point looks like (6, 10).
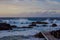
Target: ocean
(25, 22)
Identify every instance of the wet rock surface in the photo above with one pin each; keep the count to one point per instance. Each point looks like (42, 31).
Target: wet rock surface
(39, 35)
(26, 27)
(34, 23)
(5, 26)
(13, 26)
(56, 34)
(54, 25)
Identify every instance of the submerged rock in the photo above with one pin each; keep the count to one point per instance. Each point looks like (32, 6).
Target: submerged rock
(5, 26)
(32, 25)
(39, 35)
(13, 26)
(26, 27)
(54, 25)
(56, 34)
(44, 25)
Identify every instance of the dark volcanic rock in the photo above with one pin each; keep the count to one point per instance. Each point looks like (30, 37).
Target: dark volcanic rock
(4, 26)
(13, 26)
(56, 34)
(39, 35)
(54, 25)
(26, 27)
(32, 25)
(39, 23)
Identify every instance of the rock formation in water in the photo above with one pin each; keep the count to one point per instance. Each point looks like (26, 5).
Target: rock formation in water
(54, 25)
(39, 23)
(13, 26)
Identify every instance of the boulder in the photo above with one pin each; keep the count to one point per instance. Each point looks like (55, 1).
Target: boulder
(39, 35)
(54, 25)
(56, 34)
(5, 26)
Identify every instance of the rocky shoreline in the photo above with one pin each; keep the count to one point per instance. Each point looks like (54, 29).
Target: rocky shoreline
(56, 34)
(6, 26)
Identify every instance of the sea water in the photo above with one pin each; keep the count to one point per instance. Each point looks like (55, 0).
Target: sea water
(21, 22)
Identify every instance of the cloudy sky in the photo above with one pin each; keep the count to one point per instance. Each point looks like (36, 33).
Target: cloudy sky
(29, 8)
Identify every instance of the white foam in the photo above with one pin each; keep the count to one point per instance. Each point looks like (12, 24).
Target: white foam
(28, 32)
(18, 22)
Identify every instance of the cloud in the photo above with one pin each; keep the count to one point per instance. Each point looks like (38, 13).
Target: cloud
(44, 4)
(29, 7)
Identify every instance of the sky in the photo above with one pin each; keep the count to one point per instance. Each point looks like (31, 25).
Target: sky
(29, 8)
